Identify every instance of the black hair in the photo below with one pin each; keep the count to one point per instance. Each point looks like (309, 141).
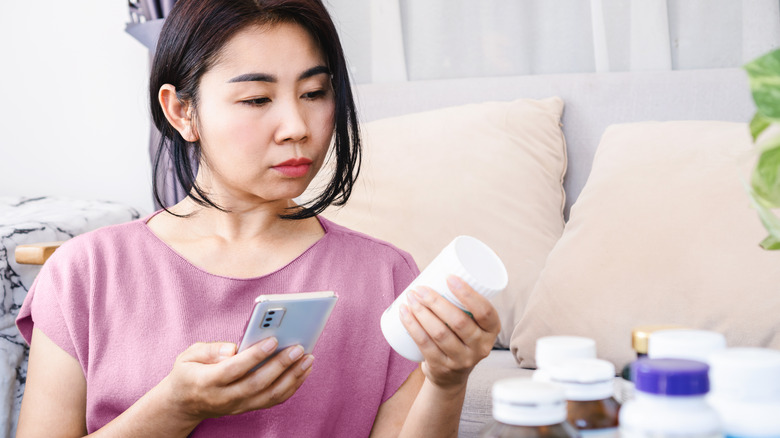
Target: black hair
(190, 43)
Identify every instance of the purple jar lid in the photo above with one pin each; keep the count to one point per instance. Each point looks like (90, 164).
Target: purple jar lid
(675, 377)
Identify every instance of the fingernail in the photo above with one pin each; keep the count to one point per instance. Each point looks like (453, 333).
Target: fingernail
(404, 310)
(307, 362)
(268, 345)
(296, 352)
(422, 292)
(411, 297)
(454, 282)
(226, 350)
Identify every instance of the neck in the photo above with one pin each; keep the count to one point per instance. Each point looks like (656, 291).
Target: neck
(240, 221)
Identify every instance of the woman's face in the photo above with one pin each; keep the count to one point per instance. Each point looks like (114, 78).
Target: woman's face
(265, 115)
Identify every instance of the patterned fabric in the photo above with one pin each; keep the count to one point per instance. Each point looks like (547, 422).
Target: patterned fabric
(35, 220)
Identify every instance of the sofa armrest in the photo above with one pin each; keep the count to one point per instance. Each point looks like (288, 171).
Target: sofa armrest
(35, 253)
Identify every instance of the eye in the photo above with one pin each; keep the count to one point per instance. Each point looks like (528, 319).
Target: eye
(312, 95)
(260, 101)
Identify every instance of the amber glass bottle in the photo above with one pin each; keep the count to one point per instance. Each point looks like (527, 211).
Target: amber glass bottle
(523, 408)
(589, 385)
(639, 340)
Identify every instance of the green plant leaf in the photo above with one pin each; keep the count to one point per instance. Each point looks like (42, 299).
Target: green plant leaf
(764, 76)
(771, 243)
(758, 125)
(770, 221)
(765, 180)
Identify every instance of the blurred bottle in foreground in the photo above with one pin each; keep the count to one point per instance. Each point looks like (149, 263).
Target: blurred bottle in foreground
(589, 388)
(746, 391)
(689, 344)
(669, 401)
(552, 350)
(523, 408)
(639, 339)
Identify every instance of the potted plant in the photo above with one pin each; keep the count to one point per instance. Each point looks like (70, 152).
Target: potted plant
(764, 76)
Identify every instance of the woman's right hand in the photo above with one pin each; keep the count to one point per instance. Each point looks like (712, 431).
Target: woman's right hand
(210, 380)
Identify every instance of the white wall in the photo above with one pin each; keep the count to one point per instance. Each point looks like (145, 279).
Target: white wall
(73, 111)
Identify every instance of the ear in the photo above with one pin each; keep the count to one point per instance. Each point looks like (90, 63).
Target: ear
(178, 113)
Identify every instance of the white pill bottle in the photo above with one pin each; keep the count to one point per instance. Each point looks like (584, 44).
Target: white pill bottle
(746, 391)
(669, 401)
(465, 257)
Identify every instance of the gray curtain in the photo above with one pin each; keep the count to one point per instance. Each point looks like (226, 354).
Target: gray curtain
(146, 20)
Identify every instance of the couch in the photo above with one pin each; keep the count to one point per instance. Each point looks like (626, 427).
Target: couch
(442, 160)
(507, 159)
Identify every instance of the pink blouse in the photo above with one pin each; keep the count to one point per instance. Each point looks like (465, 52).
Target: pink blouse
(124, 304)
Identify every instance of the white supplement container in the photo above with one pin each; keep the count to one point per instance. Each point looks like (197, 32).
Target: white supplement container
(685, 344)
(465, 257)
(669, 401)
(523, 408)
(746, 391)
(552, 350)
(589, 385)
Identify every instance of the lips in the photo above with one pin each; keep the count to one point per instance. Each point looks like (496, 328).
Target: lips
(294, 168)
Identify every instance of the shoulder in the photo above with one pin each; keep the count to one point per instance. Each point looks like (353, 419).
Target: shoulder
(111, 239)
(367, 246)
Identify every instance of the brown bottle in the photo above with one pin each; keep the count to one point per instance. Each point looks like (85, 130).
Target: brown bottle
(589, 385)
(523, 408)
(640, 336)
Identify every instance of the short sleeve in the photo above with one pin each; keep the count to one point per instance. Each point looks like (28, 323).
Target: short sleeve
(57, 302)
(398, 367)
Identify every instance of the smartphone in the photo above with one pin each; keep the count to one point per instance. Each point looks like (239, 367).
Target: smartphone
(294, 319)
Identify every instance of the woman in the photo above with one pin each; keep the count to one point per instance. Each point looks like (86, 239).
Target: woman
(131, 327)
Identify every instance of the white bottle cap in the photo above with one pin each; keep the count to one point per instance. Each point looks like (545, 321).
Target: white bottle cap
(470, 259)
(688, 344)
(749, 374)
(523, 402)
(551, 350)
(585, 379)
(466, 257)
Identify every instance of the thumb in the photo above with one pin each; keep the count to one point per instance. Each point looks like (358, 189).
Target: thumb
(209, 352)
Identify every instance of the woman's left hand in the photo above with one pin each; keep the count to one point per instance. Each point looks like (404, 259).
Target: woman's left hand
(451, 341)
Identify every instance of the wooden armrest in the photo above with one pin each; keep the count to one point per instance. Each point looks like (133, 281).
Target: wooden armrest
(35, 253)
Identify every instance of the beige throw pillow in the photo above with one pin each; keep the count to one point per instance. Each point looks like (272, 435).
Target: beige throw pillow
(491, 170)
(663, 232)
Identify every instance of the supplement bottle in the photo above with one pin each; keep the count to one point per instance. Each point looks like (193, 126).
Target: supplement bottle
(639, 338)
(669, 401)
(589, 386)
(552, 350)
(746, 391)
(685, 344)
(523, 408)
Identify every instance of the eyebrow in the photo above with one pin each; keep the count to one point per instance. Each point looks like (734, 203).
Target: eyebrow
(265, 77)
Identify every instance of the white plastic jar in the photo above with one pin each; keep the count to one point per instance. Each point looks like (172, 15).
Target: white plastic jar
(589, 385)
(746, 391)
(523, 408)
(553, 350)
(685, 344)
(669, 401)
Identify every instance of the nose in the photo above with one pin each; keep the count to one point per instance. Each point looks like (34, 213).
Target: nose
(292, 126)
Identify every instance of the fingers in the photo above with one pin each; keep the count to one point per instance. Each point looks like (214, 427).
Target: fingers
(208, 352)
(283, 387)
(246, 360)
(462, 337)
(440, 323)
(480, 307)
(212, 380)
